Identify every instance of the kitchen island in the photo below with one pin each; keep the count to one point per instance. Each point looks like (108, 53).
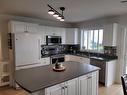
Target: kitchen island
(77, 79)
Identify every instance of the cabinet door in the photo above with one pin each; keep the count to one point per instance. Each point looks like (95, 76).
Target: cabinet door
(70, 36)
(83, 85)
(55, 90)
(45, 61)
(27, 49)
(67, 58)
(94, 83)
(32, 28)
(71, 87)
(18, 27)
(88, 84)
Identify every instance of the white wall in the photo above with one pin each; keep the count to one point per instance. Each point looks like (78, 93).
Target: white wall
(0, 48)
(4, 19)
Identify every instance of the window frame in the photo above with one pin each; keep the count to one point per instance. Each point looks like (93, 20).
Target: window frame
(88, 38)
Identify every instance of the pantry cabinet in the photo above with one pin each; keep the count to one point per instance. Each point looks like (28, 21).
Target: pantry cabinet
(84, 85)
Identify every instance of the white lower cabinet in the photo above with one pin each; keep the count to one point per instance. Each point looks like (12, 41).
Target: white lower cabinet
(84, 85)
(45, 61)
(67, 88)
(88, 84)
(71, 87)
(55, 90)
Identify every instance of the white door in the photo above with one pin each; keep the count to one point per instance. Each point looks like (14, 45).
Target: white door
(71, 87)
(27, 49)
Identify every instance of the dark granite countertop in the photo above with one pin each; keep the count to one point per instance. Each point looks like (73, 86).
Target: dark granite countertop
(104, 58)
(109, 58)
(39, 78)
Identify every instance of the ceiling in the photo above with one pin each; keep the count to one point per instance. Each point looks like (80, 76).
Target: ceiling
(76, 10)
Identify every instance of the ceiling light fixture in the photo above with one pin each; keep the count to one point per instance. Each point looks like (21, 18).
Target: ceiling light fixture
(51, 12)
(124, 1)
(55, 13)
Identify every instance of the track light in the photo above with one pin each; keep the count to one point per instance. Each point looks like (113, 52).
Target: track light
(62, 19)
(59, 17)
(56, 14)
(51, 12)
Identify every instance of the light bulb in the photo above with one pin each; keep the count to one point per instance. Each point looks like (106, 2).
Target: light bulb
(55, 15)
(59, 17)
(62, 19)
(51, 12)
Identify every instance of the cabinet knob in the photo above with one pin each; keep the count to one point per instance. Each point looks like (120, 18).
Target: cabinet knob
(63, 87)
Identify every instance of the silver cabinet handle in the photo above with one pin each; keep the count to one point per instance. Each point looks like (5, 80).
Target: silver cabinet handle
(89, 77)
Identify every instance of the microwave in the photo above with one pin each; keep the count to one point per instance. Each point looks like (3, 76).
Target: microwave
(53, 40)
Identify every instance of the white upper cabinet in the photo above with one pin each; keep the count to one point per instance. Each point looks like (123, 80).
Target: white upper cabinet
(53, 31)
(72, 36)
(110, 34)
(69, 35)
(20, 27)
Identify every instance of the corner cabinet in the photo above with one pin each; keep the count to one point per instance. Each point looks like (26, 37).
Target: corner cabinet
(84, 85)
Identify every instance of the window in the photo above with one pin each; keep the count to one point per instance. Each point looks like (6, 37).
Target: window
(92, 39)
